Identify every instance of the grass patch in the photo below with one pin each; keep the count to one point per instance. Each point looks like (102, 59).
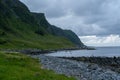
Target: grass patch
(22, 35)
(15, 66)
(34, 41)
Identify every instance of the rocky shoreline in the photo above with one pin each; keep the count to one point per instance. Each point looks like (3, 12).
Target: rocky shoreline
(112, 63)
(31, 51)
(79, 69)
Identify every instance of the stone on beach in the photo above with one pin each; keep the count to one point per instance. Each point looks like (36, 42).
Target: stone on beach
(79, 70)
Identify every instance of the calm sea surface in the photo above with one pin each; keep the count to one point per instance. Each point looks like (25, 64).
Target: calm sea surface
(100, 51)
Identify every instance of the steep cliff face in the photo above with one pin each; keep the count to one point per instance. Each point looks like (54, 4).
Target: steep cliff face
(22, 29)
(57, 31)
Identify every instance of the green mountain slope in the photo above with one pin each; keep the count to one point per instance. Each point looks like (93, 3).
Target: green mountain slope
(57, 31)
(19, 28)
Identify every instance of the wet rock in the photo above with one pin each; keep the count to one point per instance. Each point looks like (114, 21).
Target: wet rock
(78, 69)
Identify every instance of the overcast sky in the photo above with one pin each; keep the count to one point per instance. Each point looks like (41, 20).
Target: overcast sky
(95, 21)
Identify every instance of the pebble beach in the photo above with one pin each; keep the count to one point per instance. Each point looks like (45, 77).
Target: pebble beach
(78, 69)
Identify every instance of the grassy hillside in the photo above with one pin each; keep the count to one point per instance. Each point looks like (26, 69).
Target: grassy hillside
(20, 29)
(51, 29)
(15, 66)
(21, 35)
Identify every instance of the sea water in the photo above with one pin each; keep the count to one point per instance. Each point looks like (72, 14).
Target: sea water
(99, 52)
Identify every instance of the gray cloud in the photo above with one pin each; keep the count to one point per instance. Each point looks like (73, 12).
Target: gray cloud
(84, 17)
(50, 8)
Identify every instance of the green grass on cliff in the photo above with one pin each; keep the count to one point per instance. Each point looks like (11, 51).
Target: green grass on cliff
(34, 41)
(16, 35)
(20, 29)
(15, 66)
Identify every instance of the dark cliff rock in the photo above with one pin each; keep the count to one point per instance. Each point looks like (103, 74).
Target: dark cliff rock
(57, 31)
(17, 20)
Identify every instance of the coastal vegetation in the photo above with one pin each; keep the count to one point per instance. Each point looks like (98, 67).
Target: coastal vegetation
(20, 28)
(16, 66)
